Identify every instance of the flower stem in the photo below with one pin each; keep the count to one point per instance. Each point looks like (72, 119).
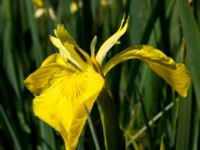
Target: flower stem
(109, 121)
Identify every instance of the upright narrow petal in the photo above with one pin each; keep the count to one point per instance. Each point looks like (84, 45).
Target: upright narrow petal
(61, 94)
(106, 46)
(176, 75)
(69, 49)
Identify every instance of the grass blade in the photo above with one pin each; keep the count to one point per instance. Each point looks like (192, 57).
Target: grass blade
(192, 37)
(184, 123)
(94, 135)
(10, 129)
(32, 22)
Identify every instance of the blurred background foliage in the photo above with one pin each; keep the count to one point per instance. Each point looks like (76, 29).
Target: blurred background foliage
(148, 108)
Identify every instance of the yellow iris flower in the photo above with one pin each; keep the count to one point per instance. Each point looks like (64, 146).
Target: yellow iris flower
(69, 80)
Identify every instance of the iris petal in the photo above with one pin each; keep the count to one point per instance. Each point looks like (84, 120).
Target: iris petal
(39, 79)
(176, 75)
(61, 96)
(69, 50)
(110, 42)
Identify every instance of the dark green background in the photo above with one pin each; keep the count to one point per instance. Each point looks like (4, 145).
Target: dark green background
(170, 25)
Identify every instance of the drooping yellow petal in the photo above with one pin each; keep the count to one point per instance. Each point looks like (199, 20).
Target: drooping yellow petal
(106, 46)
(68, 48)
(62, 104)
(176, 75)
(62, 92)
(177, 78)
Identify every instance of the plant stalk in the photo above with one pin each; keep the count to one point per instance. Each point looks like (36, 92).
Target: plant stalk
(109, 119)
